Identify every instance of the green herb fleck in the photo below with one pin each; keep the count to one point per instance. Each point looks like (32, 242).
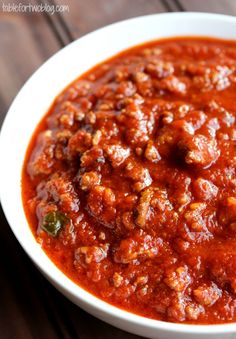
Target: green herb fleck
(53, 222)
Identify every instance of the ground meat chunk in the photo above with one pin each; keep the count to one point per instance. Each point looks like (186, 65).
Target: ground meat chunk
(90, 254)
(69, 112)
(139, 246)
(151, 153)
(101, 205)
(116, 154)
(126, 88)
(139, 175)
(176, 311)
(193, 311)
(179, 190)
(196, 119)
(217, 77)
(138, 124)
(172, 84)
(60, 190)
(204, 189)
(227, 211)
(152, 203)
(143, 207)
(160, 69)
(137, 135)
(79, 143)
(199, 150)
(212, 126)
(42, 159)
(223, 268)
(171, 134)
(166, 118)
(63, 136)
(82, 88)
(207, 295)
(117, 279)
(97, 138)
(92, 157)
(89, 179)
(178, 279)
(194, 217)
(140, 77)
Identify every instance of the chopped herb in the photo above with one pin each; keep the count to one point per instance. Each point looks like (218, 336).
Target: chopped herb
(53, 222)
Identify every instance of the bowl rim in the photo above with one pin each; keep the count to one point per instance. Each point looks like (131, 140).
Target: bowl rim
(57, 277)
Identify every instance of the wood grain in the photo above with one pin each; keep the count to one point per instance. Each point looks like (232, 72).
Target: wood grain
(213, 6)
(86, 16)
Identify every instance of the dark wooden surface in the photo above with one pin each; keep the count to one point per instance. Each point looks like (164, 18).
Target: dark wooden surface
(29, 306)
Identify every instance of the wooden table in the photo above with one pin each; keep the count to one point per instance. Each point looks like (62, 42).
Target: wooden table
(29, 306)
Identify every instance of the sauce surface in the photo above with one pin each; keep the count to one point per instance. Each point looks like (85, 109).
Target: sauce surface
(129, 182)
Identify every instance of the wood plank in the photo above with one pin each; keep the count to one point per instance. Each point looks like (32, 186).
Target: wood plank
(213, 6)
(174, 6)
(86, 16)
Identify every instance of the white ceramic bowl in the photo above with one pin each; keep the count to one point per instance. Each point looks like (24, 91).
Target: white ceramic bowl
(31, 104)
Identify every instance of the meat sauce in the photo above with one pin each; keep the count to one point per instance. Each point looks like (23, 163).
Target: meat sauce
(129, 182)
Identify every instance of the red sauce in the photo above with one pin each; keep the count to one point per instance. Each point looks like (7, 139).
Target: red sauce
(129, 182)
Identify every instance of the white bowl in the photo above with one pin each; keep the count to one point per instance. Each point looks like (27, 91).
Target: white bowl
(32, 103)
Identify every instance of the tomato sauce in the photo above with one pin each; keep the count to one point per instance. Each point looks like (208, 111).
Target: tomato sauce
(129, 181)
